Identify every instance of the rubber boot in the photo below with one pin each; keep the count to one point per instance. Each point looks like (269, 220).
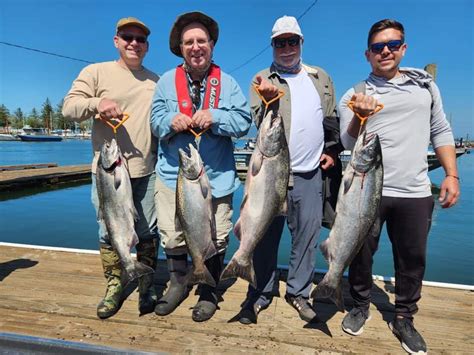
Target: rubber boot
(178, 289)
(146, 254)
(112, 300)
(207, 303)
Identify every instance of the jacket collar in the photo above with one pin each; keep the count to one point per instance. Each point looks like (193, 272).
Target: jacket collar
(309, 70)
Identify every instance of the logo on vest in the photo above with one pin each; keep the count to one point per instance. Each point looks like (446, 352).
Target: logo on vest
(212, 96)
(184, 103)
(214, 81)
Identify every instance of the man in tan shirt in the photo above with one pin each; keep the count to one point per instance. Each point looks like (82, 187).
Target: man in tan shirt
(105, 91)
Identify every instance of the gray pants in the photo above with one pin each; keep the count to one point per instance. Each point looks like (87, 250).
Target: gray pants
(304, 222)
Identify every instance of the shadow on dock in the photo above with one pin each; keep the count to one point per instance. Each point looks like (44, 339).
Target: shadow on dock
(8, 267)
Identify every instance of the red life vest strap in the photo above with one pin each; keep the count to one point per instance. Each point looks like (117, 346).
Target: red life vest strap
(213, 90)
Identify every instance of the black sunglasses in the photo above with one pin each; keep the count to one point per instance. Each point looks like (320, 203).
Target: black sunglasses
(281, 42)
(393, 45)
(127, 37)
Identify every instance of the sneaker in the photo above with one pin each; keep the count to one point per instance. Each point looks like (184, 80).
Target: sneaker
(303, 307)
(353, 322)
(248, 314)
(405, 331)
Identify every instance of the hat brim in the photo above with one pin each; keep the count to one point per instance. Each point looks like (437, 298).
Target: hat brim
(185, 19)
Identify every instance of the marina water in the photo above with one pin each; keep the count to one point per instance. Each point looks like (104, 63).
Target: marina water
(65, 217)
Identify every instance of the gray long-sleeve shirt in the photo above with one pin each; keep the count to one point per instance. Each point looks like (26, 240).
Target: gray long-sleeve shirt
(412, 117)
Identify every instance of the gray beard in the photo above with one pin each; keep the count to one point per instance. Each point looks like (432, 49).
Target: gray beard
(193, 72)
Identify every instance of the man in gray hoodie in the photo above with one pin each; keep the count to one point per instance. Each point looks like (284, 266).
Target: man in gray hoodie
(412, 117)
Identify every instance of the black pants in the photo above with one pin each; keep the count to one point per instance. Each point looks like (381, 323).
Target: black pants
(408, 223)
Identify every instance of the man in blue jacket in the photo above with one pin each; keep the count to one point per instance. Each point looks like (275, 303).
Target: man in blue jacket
(196, 95)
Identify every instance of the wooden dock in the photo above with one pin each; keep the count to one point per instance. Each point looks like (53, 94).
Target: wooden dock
(16, 177)
(53, 294)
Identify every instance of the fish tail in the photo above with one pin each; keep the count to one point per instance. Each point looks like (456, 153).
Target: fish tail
(327, 289)
(201, 275)
(136, 270)
(238, 269)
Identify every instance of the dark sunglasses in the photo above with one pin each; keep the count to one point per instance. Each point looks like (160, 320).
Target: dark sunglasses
(391, 45)
(127, 37)
(281, 42)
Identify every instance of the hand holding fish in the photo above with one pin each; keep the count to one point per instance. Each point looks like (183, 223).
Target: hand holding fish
(202, 119)
(109, 110)
(266, 89)
(364, 105)
(181, 122)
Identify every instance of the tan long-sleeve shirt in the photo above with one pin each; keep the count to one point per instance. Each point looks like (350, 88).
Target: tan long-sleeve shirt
(133, 91)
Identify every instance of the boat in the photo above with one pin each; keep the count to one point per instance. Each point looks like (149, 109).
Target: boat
(8, 137)
(242, 156)
(433, 162)
(38, 135)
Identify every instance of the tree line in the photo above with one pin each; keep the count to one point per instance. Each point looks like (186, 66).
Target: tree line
(48, 117)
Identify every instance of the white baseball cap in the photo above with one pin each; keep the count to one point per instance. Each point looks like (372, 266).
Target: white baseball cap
(286, 24)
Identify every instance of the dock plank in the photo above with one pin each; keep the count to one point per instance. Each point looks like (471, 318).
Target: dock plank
(54, 294)
(15, 179)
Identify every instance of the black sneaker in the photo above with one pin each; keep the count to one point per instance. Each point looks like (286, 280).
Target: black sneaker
(353, 322)
(405, 331)
(249, 312)
(303, 307)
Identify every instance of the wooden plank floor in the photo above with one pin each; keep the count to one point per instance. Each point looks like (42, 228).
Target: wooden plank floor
(54, 294)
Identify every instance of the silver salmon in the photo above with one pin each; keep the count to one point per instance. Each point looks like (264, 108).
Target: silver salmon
(356, 215)
(194, 214)
(116, 208)
(264, 195)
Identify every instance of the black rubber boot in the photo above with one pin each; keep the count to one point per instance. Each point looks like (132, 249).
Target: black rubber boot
(178, 289)
(147, 252)
(207, 304)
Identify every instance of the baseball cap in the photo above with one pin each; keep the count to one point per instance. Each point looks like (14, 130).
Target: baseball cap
(134, 22)
(286, 24)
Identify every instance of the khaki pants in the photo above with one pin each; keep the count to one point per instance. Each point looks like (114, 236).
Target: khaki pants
(172, 239)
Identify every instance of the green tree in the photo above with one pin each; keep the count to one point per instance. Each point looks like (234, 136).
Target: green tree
(33, 119)
(59, 121)
(47, 114)
(18, 118)
(4, 117)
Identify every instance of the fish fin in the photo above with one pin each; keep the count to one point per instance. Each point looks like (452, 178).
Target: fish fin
(136, 217)
(177, 222)
(117, 180)
(325, 290)
(200, 275)
(134, 240)
(324, 249)
(284, 209)
(204, 188)
(348, 182)
(137, 270)
(374, 231)
(235, 269)
(237, 230)
(257, 163)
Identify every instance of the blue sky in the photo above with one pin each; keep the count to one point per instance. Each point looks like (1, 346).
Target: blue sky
(437, 31)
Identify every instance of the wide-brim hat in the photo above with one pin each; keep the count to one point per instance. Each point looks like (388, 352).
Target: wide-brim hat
(132, 21)
(185, 19)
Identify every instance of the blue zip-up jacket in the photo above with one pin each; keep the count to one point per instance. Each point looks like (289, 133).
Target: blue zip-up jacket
(230, 119)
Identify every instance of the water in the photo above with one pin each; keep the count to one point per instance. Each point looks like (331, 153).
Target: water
(66, 218)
